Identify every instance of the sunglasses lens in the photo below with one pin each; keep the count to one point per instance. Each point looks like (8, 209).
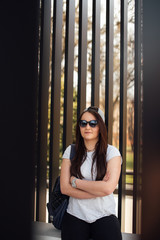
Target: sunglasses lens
(83, 123)
(93, 123)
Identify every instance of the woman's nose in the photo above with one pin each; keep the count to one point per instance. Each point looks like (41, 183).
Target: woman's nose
(87, 126)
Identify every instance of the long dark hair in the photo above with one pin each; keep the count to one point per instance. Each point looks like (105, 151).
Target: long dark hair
(100, 149)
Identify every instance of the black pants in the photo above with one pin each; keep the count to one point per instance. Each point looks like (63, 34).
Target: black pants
(106, 228)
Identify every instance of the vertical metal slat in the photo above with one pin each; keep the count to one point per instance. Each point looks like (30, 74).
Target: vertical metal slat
(95, 53)
(69, 68)
(82, 56)
(123, 111)
(43, 112)
(55, 92)
(109, 69)
(137, 120)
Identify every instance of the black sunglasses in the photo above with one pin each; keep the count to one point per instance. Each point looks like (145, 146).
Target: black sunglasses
(92, 123)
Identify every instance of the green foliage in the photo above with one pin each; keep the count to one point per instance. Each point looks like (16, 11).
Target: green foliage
(129, 179)
(129, 160)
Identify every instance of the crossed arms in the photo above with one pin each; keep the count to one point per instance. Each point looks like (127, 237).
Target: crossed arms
(90, 189)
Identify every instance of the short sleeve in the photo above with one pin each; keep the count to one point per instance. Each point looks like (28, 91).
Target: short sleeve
(66, 153)
(112, 152)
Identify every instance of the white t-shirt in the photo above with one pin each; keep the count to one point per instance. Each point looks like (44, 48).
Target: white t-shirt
(90, 210)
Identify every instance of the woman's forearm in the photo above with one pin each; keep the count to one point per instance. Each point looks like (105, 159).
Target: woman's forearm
(98, 188)
(107, 185)
(76, 193)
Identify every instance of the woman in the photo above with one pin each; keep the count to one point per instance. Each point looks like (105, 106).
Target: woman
(90, 180)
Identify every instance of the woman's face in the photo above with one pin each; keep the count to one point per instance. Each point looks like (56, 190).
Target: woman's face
(89, 133)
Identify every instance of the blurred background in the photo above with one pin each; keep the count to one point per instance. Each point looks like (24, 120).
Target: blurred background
(59, 57)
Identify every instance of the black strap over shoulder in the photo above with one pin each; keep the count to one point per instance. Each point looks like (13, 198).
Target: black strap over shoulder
(73, 151)
(58, 202)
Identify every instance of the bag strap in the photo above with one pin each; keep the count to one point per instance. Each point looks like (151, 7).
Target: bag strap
(73, 151)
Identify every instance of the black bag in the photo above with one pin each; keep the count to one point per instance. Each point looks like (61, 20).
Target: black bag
(58, 203)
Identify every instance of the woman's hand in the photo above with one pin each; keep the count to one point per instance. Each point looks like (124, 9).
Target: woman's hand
(71, 178)
(106, 177)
